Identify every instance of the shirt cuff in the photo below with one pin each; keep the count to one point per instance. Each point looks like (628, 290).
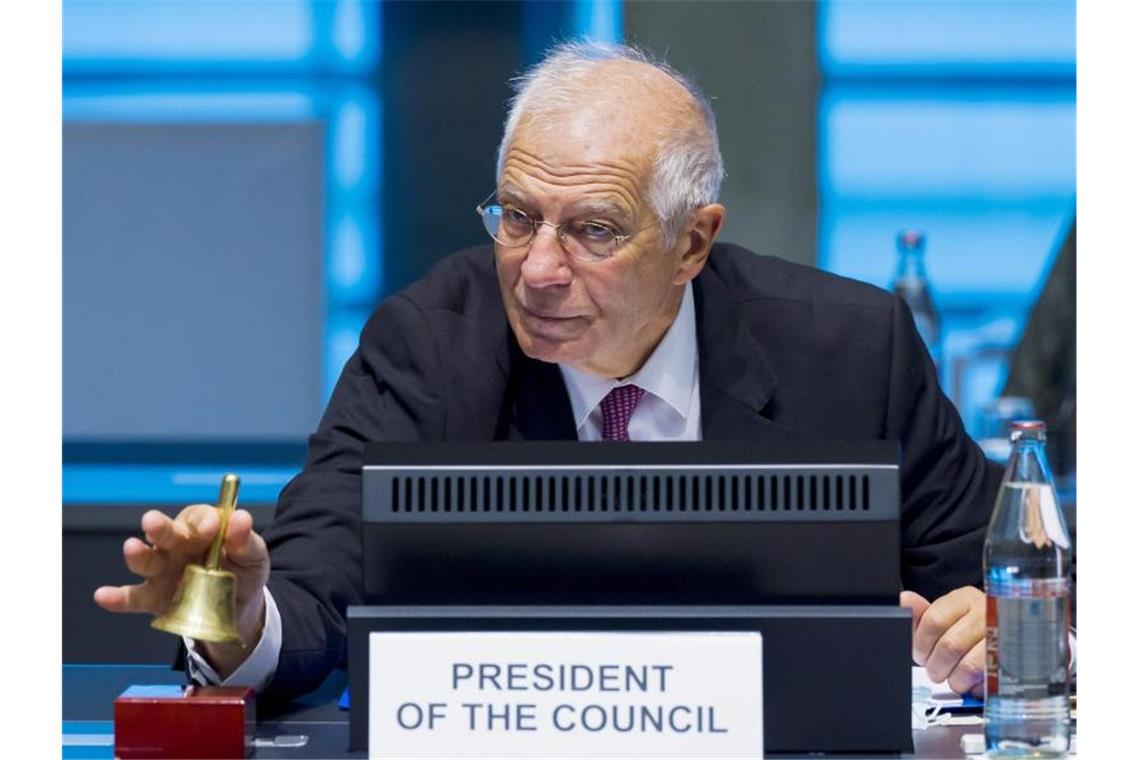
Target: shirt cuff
(257, 670)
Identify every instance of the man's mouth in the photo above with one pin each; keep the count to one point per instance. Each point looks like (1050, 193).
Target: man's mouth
(545, 315)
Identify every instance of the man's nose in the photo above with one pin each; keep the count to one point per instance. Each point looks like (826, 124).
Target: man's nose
(546, 262)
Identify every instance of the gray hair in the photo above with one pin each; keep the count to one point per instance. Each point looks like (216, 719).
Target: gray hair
(687, 170)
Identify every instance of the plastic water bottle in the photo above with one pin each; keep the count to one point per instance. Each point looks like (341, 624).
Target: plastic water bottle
(1027, 560)
(911, 285)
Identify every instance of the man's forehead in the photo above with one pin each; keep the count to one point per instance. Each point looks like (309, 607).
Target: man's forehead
(593, 170)
(586, 140)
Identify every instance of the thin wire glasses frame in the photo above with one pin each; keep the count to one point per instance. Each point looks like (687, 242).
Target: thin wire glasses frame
(585, 240)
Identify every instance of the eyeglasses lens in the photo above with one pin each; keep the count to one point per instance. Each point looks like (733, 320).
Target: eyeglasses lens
(511, 227)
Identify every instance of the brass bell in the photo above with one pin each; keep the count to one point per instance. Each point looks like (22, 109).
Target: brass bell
(204, 603)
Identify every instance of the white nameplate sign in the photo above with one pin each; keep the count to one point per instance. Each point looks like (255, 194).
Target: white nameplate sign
(562, 695)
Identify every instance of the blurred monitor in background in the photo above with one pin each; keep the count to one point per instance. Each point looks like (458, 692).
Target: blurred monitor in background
(193, 303)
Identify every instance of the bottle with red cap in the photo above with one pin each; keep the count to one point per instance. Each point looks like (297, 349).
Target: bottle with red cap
(1027, 562)
(910, 284)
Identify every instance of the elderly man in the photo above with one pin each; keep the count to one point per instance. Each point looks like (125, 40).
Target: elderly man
(603, 310)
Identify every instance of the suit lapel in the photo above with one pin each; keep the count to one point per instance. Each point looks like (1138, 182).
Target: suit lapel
(737, 383)
(537, 406)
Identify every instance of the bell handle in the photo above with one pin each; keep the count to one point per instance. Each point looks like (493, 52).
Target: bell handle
(227, 499)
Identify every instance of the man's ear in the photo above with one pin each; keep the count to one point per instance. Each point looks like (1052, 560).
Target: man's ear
(696, 241)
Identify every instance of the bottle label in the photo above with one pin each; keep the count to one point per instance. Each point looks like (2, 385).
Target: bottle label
(1027, 638)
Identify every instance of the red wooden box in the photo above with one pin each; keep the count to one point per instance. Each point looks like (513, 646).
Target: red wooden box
(200, 722)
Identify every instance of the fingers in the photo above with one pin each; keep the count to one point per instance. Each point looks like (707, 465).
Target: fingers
(941, 616)
(949, 637)
(143, 560)
(188, 533)
(247, 557)
(138, 598)
(953, 650)
(917, 604)
(110, 598)
(244, 548)
(172, 543)
(968, 674)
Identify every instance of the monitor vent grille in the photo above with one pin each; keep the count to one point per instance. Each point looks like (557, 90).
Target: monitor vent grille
(626, 493)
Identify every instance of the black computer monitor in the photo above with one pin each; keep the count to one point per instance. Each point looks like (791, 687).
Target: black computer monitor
(564, 523)
(798, 540)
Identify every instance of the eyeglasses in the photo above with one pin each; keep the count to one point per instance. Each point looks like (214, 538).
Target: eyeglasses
(585, 240)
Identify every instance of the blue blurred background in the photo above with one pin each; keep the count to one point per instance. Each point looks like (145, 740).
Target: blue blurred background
(244, 181)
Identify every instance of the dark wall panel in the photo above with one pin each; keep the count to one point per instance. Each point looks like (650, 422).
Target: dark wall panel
(758, 62)
(444, 79)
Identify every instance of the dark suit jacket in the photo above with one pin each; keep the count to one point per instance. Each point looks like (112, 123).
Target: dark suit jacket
(782, 348)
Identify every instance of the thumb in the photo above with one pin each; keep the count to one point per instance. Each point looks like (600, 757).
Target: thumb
(247, 557)
(918, 606)
(244, 548)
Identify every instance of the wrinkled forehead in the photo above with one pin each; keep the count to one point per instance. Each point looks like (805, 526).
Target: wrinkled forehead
(579, 164)
(587, 138)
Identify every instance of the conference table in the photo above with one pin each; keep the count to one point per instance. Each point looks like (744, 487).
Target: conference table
(312, 727)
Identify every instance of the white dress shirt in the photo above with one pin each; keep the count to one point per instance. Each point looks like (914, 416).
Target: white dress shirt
(257, 669)
(670, 409)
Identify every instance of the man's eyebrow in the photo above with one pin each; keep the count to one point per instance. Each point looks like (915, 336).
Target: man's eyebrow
(511, 193)
(601, 207)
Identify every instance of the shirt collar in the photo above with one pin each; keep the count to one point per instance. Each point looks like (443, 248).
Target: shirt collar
(668, 373)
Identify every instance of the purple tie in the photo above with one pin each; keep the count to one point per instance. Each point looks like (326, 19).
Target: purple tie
(617, 408)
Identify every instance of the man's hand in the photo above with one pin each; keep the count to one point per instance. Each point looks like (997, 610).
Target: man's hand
(949, 637)
(170, 545)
